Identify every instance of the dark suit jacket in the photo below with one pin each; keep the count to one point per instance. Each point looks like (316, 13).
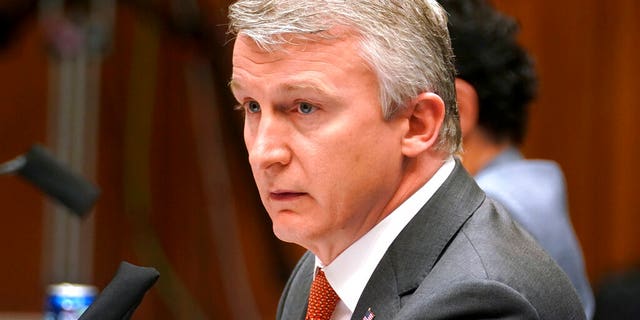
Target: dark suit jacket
(460, 257)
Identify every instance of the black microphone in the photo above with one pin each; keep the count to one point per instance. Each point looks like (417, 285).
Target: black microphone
(123, 294)
(40, 168)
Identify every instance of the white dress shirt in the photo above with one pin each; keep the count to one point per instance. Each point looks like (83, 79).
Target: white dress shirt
(349, 273)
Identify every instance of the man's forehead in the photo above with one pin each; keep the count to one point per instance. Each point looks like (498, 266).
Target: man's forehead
(247, 51)
(298, 41)
(246, 47)
(304, 64)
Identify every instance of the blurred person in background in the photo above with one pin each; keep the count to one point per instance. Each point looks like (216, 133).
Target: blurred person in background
(351, 128)
(495, 85)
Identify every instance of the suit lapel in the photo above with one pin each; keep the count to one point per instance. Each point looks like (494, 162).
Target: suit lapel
(417, 248)
(297, 291)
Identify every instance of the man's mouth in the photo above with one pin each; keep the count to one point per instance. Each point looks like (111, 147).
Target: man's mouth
(285, 195)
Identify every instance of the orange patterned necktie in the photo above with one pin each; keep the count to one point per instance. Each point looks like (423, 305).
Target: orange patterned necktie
(322, 299)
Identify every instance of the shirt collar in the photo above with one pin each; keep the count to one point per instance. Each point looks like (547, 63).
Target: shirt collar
(349, 273)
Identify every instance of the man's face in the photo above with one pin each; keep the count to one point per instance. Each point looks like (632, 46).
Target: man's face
(325, 161)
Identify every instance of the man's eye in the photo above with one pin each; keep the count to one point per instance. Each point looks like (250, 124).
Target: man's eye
(253, 107)
(305, 108)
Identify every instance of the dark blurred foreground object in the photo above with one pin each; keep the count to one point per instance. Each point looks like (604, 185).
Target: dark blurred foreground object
(618, 297)
(123, 294)
(12, 16)
(40, 168)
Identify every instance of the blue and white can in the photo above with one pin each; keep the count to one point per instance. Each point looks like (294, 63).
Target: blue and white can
(67, 301)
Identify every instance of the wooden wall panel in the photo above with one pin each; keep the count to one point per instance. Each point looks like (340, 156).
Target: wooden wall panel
(23, 90)
(585, 117)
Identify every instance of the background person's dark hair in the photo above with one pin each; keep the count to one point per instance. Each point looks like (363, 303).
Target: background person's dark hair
(490, 59)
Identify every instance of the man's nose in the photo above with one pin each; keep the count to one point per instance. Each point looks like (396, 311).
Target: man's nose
(270, 147)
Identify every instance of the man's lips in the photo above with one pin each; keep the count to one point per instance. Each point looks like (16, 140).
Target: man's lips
(285, 195)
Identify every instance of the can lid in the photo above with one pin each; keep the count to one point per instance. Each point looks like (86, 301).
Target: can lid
(71, 289)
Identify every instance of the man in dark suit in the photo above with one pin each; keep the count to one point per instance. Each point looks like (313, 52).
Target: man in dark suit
(352, 128)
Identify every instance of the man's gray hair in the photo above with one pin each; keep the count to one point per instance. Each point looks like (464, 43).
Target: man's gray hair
(406, 43)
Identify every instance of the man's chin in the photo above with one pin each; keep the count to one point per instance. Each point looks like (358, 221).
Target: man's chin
(284, 233)
(288, 232)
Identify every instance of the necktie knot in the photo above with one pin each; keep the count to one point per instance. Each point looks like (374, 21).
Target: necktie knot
(322, 299)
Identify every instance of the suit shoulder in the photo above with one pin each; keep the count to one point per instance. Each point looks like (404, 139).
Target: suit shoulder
(492, 249)
(468, 298)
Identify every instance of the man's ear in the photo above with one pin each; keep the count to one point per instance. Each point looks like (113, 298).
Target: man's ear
(468, 106)
(425, 114)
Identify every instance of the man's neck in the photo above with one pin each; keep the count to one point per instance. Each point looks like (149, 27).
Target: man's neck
(479, 151)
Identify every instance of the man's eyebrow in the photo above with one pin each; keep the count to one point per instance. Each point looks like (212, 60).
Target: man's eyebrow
(234, 85)
(307, 86)
(291, 88)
